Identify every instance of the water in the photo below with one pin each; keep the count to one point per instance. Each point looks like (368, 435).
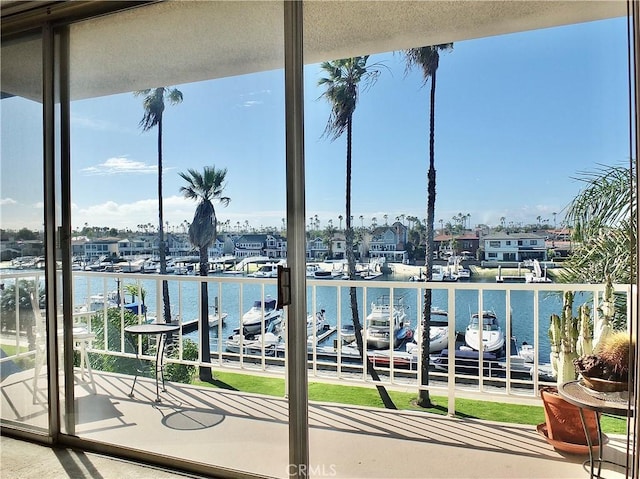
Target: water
(236, 298)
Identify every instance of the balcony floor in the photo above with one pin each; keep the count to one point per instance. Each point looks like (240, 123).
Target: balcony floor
(249, 432)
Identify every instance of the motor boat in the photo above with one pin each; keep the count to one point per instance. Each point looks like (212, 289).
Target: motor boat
(214, 319)
(258, 344)
(438, 332)
(266, 271)
(348, 333)
(490, 333)
(262, 312)
(315, 324)
(387, 321)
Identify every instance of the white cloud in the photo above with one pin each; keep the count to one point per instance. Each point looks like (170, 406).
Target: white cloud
(250, 103)
(119, 165)
(7, 201)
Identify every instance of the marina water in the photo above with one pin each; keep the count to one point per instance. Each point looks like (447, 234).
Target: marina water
(235, 298)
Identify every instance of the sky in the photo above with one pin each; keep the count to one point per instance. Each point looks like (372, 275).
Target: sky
(518, 118)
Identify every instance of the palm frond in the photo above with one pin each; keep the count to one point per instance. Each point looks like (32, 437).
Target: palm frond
(342, 84)
(426, 58)
(153, 104)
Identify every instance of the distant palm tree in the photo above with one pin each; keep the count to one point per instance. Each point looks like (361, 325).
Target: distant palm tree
(204, 187)
(153, 104)
(342, 85)
(427, 59)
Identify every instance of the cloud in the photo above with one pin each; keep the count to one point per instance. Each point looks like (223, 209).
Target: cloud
(119, 165)
(7, 201)
(250, 102)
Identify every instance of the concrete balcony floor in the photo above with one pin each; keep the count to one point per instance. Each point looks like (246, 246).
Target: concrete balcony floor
(248, 432)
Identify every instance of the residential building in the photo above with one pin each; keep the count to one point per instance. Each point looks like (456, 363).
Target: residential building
(272, 246)
(389, 242)
(514, 247)
(317, 249)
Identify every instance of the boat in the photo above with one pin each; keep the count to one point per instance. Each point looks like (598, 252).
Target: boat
(464, 273)
(255, 344)
(492, 336)
(262, 312)
(387, 321)
(369, 274)
(437, 273)
(348, 333)
(214, 319)
(323, 274)
(438, 332)
(536, 275)
(266, 271)
(316, 272)
(316, 324)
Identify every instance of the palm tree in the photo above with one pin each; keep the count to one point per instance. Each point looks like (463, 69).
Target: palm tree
(603, 217)
(427, 59)
(341, 91)
(204, 187)
(153, 104)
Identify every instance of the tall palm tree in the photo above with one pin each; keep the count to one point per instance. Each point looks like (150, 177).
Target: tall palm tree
(427, 59)
(205, 188)
(342, 85)
(153, 104)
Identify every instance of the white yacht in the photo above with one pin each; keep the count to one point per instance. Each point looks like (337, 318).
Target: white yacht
(490, 332)
(386, 324)
(266, 312)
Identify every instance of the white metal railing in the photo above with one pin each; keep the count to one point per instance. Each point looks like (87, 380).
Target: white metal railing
(329, 361)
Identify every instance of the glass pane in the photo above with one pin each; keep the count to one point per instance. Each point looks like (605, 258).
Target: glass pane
(517, 118)
(163, 110)
(23, 340)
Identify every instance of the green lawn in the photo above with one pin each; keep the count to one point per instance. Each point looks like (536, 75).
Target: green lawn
(363, 396)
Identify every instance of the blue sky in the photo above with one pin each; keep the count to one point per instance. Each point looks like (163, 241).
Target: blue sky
(517, 118)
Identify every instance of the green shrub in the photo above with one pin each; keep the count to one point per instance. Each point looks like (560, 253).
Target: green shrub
(182, 373)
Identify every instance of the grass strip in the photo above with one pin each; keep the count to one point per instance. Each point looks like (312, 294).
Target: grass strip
(366, 396)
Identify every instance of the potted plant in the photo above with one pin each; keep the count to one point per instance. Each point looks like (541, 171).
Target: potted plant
(607, 369)
(563, 427)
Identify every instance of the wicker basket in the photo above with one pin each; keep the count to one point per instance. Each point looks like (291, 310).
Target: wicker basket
(604, 385)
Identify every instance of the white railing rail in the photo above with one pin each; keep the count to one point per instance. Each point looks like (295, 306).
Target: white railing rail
(498, 380)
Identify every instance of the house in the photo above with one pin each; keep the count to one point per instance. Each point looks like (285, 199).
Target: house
(270, 245)
(96, 248)
(316, 249)
(514, 247)
(466, 243)
(389, 242)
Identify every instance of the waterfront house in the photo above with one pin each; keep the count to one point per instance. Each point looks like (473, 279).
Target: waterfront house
(99, 247)
(389, 242)
(514, 247)
(317, 249)
(451, 244)
(270, 245)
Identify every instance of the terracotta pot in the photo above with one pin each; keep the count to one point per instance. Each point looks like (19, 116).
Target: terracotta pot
(563, 424)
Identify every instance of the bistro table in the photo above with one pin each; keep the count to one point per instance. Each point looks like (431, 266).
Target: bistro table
(160, 330)
(616, 404)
